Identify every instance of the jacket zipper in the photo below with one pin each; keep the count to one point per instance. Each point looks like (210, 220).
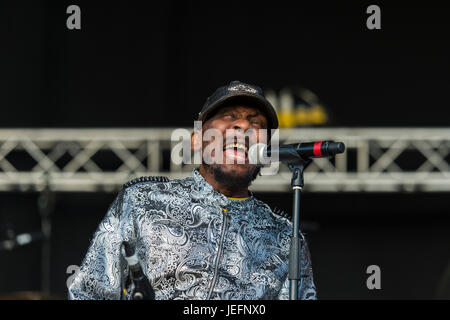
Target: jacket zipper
(219, 252)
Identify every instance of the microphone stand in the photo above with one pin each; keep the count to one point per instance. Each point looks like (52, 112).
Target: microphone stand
(46, 204)
(142, 287)
(297, 183)
(291, 156)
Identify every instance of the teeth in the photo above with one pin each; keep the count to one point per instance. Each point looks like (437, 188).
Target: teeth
(236, 145)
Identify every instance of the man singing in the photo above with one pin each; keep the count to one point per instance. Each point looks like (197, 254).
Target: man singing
(205, 236)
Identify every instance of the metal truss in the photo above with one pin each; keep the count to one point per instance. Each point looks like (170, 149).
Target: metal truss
(376, 159)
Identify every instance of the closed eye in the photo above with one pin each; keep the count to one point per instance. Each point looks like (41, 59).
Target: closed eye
(256, 122)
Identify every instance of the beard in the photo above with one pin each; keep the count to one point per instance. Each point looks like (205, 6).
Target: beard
(232, 181)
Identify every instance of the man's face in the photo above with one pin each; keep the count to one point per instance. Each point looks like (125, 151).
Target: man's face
(240, 127)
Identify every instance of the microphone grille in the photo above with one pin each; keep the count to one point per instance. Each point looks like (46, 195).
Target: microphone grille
(256, 153)
(340, 147)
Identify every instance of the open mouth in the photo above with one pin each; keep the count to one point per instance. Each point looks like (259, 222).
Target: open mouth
(236, 151)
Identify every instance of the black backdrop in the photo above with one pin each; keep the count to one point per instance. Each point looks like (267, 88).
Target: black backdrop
(136, 65)
(154, 65)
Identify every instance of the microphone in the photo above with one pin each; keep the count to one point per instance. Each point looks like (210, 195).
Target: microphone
(142, 288)
(260, 153)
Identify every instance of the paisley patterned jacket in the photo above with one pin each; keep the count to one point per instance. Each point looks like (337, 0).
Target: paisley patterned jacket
(192, 243)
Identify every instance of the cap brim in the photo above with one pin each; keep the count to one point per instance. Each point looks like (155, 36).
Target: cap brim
(257, 100)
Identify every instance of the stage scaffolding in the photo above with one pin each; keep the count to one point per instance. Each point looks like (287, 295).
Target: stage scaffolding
(92, 160)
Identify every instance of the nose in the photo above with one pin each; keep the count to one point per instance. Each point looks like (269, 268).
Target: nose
(241, 125)
(244, 132)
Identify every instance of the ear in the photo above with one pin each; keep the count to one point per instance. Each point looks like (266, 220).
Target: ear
(196, 140)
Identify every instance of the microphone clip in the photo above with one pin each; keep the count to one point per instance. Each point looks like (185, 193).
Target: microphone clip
(297, 171)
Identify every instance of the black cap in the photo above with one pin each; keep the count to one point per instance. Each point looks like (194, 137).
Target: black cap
(237, 89)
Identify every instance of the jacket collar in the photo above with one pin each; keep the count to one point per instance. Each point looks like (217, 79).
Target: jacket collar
(202, 184)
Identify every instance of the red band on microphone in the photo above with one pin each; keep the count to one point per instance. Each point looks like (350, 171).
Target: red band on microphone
(316, 150)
